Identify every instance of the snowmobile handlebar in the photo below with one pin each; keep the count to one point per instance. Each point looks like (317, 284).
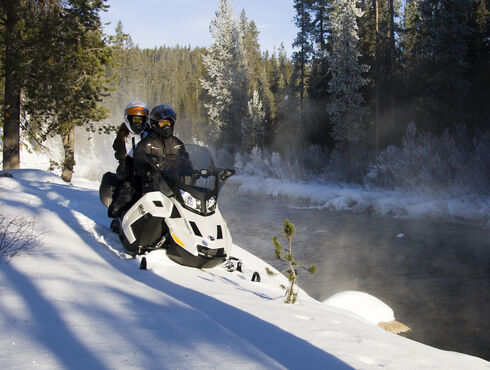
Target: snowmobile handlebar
(226, 173)
(222, 173)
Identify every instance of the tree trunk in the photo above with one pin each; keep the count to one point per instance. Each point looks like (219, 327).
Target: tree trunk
(69, 149)
(12, 90)
(391, 75)
(303, 66)
(377, 87)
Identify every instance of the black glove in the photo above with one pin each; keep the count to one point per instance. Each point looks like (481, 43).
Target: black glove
(161, 164)
(126, 192)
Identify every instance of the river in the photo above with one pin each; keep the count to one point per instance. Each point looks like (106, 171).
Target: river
(435, 276)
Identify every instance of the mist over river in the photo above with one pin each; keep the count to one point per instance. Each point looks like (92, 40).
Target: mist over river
(434, 275)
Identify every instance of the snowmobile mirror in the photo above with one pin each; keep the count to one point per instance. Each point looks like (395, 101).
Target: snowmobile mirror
(226, 173)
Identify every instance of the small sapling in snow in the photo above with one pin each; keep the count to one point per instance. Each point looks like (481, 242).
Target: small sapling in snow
(286, 255)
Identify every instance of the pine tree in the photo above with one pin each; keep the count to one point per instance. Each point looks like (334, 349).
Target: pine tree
(445, 27)
(319, 76)
(477, 108)
(160, 75)
(345, 106)
(225, 76)
(410, 41)
(121, 40)
(316, 125)
(124, 74)
(287, 255)
(251, 52)
(68, 91)
(257, 80)
(18, 43)
(53, 57)
(377, 47)
(302, 57)
(253, 125)
(279, 74)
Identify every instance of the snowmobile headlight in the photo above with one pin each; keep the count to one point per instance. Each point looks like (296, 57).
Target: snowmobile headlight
(190, 201)
(211, 204)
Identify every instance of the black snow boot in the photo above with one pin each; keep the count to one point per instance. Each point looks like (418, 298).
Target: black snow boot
(116, 225)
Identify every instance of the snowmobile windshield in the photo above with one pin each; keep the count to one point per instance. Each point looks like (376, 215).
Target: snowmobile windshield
(195, 170)
(197, 179)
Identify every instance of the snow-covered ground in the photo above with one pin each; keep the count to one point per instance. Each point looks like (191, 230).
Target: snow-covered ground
(80, 302)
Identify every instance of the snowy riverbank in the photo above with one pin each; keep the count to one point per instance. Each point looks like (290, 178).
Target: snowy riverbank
(375, 201)
(80, 302)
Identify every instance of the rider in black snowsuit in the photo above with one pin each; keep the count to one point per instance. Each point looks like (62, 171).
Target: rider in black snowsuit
(160, 147)
(130, 133)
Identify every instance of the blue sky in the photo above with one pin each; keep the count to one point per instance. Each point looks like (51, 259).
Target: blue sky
(186, 22)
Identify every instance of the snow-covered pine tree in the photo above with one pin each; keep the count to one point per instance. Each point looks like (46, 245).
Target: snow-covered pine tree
(256, 77)
(345, 106)
(253, 124)
(251, 51)
(224, 82)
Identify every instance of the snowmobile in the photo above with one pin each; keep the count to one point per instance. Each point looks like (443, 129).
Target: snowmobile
(178, 211)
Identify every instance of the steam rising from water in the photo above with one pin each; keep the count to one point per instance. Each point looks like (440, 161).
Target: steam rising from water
(435, 278)
(444, 179)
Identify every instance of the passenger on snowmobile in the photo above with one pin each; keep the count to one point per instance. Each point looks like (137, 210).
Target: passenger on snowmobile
(176, 207)
(160, 147)
(131, 132)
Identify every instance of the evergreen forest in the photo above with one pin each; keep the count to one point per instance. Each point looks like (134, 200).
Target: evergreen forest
(386, 92)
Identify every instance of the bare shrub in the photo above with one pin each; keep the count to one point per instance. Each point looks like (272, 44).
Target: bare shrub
(18, 233)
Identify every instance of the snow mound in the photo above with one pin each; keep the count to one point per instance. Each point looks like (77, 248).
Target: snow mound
(362, 304)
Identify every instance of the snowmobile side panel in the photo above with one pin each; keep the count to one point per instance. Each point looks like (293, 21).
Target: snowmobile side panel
(154, 204)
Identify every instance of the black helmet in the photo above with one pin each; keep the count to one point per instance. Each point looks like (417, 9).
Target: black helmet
(162, 120)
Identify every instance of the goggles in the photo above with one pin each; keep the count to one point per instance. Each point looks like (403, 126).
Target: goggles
(137, 111)
(164, 122)
(135, 120)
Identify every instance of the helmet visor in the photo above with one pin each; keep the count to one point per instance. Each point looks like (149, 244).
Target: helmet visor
(137, 120)
(137, 111)
(164, 122)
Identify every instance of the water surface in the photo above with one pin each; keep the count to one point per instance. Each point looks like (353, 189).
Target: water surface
(435, 276)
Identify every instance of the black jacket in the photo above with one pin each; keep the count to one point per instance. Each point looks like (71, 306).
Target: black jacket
(157, 150)
(124, 152)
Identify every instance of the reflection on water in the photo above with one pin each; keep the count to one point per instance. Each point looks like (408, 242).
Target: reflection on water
(435, 276)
